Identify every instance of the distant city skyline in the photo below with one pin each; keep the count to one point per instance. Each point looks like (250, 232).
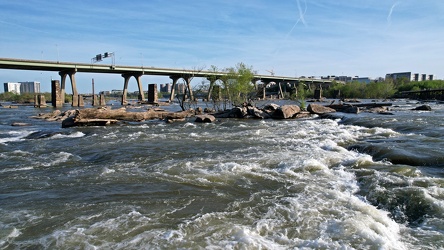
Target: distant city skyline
(367, 38)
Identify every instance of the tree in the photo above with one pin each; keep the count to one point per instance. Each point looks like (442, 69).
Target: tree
(238, 83)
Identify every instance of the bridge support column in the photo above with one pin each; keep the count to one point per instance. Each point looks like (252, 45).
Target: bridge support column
(39, 101)
(318, 93)
(95, 100)
(173, 87)
(190, 91)
(80, 101)
(126, 78)
(152, 93)
(102, 101)
(56, 94)
(75, 94)
(210, 90)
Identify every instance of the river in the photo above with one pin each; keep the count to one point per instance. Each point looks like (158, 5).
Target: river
(364, 181)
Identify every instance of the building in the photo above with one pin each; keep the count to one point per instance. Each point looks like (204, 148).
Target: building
(362, 79)
(13, 87)
(166, 87)
(410, 77)
(116, 92)
(398, 76)
(22, 87)
(29, 87)
(343, 78)
(180, 88)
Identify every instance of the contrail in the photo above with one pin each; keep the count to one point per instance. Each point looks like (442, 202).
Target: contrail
(301, 16)
(300, 19)
(389, 17)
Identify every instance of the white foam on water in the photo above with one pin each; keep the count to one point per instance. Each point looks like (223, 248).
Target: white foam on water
(15, 135)
(189, 124)
(77, 134)
(53, 158)
(298, 190)
(107, 171)
(15, 169)
(112, 135)
(12, 234)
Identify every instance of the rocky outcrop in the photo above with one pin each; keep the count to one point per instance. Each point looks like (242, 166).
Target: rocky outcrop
(105, 116)
(357, 108)
(286, 112)
(273, 111)
(319, 109)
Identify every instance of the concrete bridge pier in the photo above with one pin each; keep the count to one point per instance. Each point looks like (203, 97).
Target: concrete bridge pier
(188, 79)
(75, 94)
(173, 87)
(56, 91)
(210, 90)
(126, 78)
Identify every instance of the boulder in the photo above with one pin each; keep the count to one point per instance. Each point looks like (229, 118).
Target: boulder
(209, 110)
(351, 110)
(75, 121)
(286, 112)
(423, 108)
(257, 113)
(238, 112)
(223, 114)
(271, 107)
(205, 118)
(319, 109)
(171, 120)
(199, 111)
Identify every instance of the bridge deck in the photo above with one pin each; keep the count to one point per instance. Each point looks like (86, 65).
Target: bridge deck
(39, 65)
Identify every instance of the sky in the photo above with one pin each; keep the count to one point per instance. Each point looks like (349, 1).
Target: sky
(366, 38)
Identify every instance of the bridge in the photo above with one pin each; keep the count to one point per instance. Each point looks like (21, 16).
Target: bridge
(424, 95)
(69, 69)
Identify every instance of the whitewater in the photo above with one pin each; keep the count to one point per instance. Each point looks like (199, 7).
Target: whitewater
(353, 181)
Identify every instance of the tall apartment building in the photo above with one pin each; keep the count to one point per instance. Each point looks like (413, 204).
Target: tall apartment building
(22, 87)
(30, 87)
(13, 87)
(410, 77)
(166, 87)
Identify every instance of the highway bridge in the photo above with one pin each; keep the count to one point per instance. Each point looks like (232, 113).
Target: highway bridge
(69, 69)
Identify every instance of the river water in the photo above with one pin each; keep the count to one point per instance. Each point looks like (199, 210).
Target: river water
(363, 181)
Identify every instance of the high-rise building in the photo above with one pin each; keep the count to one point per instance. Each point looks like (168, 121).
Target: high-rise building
(13, 87)
(30, 87)
(165, 87)
(397, 76)
(22, 87)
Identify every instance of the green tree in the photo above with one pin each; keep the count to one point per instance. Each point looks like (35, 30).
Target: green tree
(238, 83)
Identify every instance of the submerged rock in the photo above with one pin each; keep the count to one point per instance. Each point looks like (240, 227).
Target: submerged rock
(205, 118)
(20, 124)
(423, 108)
(41, 135)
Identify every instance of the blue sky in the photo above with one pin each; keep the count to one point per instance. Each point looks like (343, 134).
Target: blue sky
(290, 37)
